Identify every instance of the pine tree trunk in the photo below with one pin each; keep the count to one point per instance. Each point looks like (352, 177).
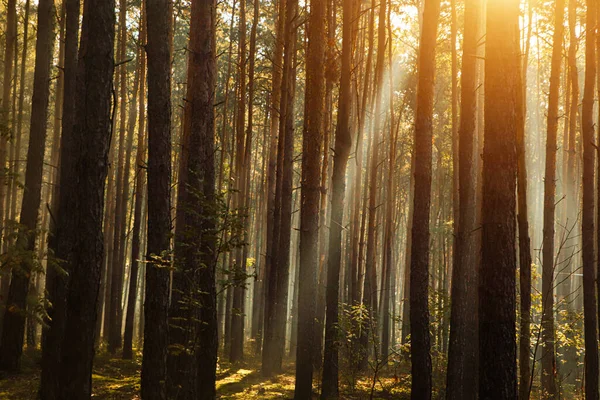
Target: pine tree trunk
(549, 389)
(88, 166)
(117, 268)
(59, 241)
(239, 269)
(525, 261)
(419, 262)
(192, 372)
(462, 357)
(342, 147)
(156, 306)
(11, 37)
(139, 195)
(587, 212)
(310, 202)
(272, 202)
(13, 331)
(497, 300)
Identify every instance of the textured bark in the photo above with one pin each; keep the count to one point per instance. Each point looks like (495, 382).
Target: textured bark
(549, 390)
(370, 280)
(342, 147)
(276, 317)
(193, 331)
(272, 207)
(419, 262)
(140, 188)
(117, 266)
(59, 242)
(310, 200)
(525, 261)
(9, 47)
(13, 330)
(462, 357)
(587, 212)
(91, 137)
(497, 298)
(236, 352)
(156, 303)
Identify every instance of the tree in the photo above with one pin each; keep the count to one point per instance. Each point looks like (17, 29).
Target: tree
(342, 147)
(311, 190)
(588, 252)
(14, 319)
(191, 367)
(88, 167)
(549, 389)
(497, 299)
(419, 262)
(462, 355)
(156, 304)
(276, 316)
(59, 241)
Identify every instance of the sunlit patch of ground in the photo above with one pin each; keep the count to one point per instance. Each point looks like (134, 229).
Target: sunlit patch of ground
(113, 379)
(118, 379)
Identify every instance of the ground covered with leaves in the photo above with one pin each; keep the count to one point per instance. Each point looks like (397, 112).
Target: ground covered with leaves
(115, 378)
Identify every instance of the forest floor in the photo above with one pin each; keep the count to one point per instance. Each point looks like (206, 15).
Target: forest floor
(118, 379)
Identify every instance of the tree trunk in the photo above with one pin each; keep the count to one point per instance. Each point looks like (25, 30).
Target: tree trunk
(549, 390)
(59, 241)
(117, 267)
(462, 357)
(525, 261)
(311, 191)
(342, 147)
(88, 167)
(159, 199)
(272, 201)
(587, 212)
(497, 300)
(419, 262)
(192, 366)
(11, 38)
(236, 352)
(24, 250)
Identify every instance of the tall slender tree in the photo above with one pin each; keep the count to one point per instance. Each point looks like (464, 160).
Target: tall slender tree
(497, 298)
(462, 355)
(549, 389)
(59, 241)
(311, 191)
(25, 267)
(342, 147)
(191, 373)
(419, 262)
(588, 252)
(159, 199)
(88, 167)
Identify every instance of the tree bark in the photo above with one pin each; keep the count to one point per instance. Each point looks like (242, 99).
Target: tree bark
(497, 299)
(342, 147)
(159, 199)
(549, 389)
(419, 262)
(587, 211)
(11, 346)
(89, 167)
(191, 367)
(140, 197)
(310, 201)
(462, 357)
